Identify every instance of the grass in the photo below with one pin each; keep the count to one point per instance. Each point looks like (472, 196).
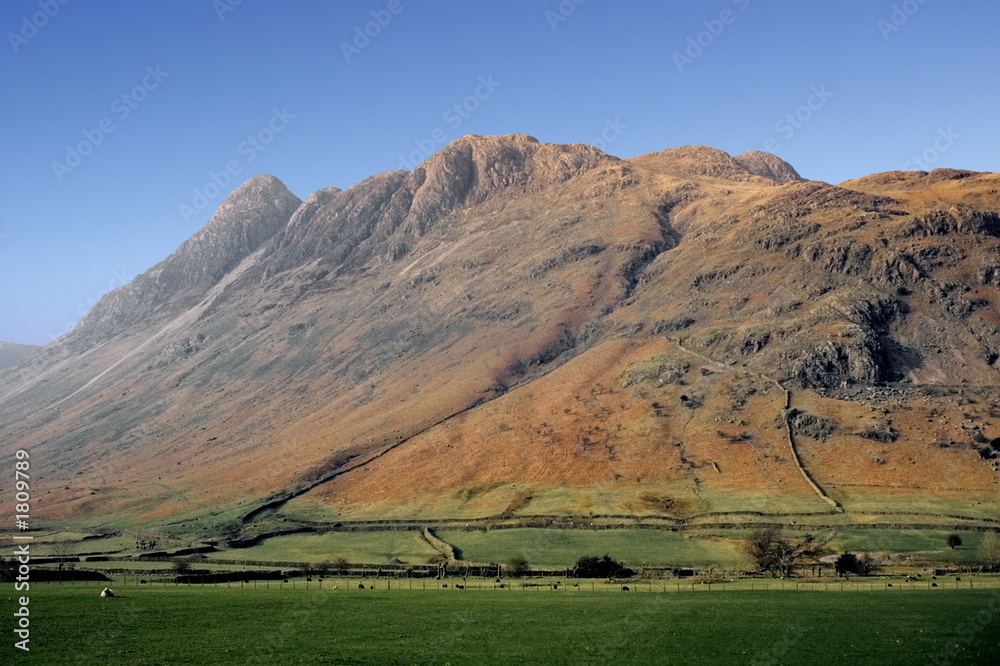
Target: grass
(365, 547)
(924, 545)
(190, 625)
(562, 548)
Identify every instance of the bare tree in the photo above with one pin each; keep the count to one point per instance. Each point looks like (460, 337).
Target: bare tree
(989, 551)
(63, 552)
(771, 552)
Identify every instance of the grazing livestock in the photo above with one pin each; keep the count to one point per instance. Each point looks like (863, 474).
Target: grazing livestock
(107, 592)
(624, 588)
(361, 586)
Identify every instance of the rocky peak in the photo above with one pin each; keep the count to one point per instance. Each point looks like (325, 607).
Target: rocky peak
(248, 217)
(768, 166)
(471, 169)
(384, 215)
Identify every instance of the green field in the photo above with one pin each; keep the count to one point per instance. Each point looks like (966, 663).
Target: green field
(367, 547)
(922, 545)
(562, 548)
(193, 625)
(559, 548)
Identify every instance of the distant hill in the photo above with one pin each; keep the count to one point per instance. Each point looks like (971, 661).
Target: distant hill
(531, 330)
(12, 352)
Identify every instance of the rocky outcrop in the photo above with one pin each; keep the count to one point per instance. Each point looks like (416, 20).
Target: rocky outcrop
(768, 166)
(249, 217)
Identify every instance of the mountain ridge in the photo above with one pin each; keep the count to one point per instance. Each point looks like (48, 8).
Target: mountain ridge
(516, 327)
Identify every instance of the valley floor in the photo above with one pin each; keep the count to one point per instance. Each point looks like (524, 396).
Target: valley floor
(239, 625)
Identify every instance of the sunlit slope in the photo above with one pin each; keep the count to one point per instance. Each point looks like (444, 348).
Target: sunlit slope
(518, 329)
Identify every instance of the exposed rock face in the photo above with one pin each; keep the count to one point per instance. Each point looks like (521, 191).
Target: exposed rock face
(249, 217)
(768, 166)
(513, 316)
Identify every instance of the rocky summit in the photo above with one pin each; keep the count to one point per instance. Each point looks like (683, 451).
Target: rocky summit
(545, 332)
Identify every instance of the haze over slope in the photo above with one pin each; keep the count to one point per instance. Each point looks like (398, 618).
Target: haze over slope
(12, 352)
(516, 328)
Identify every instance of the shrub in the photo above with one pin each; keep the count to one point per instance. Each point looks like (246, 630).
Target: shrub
(517, 566)
(597, 567)
(863, 565)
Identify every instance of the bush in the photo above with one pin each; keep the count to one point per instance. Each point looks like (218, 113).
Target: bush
(849, 563)
(954, 541)
(517, 566)
(597, 567)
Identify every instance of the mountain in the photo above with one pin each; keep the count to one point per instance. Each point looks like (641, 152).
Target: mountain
(520, 329)
(12, 352)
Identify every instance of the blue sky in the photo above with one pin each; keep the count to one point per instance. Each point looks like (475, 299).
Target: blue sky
(116, 114)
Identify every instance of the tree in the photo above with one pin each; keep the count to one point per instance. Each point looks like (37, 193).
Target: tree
(954, 540)
(517, 566)
(181, 566)
(989, 552)
(847, 564)
(860, 565)
(870, 564)
(598, 567)
(771, 552)
(63, 552)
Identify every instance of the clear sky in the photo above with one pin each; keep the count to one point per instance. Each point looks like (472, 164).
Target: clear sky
(116, 114)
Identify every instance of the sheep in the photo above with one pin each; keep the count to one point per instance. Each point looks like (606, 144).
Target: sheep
(107, 592)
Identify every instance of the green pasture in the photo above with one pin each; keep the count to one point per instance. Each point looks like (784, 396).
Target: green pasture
(71, 624)
(361, 547)
(562, 548)
(921, 546)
